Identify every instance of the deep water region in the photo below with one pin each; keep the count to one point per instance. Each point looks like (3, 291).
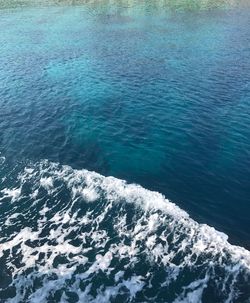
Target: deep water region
(94, 93)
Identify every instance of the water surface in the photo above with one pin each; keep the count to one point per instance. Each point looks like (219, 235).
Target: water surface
(156, 95)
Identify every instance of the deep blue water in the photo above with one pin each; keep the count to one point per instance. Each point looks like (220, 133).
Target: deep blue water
(153, 96)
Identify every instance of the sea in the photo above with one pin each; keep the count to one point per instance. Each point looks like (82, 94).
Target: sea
(124, 151)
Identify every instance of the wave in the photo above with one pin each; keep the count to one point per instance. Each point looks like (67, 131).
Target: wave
(76, 236)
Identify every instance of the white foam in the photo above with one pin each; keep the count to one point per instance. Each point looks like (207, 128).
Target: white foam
(161, 234)
(90, 194)
(193, 292)
(13, 193)
(134, 285)
(12, 218)
(29, 170)
(47, 183)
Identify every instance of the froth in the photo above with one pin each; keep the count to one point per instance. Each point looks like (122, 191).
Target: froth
(128, 244)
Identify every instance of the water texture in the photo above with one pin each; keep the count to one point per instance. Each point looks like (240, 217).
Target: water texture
(154, 94)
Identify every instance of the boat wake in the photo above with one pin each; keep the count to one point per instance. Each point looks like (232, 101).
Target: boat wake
(76, 236)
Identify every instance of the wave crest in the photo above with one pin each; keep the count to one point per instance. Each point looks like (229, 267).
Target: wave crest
(77, 236)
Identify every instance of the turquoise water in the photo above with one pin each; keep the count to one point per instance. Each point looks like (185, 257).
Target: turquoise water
(144, 93)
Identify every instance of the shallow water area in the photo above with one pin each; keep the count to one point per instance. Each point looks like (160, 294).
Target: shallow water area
(152, 92)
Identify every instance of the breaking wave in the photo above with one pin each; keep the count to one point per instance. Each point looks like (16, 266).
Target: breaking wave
(76, 236)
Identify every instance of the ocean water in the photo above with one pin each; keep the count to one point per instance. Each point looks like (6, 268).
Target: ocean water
(125, 151)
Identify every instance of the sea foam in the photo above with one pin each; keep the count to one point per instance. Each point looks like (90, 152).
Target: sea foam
(83, 237)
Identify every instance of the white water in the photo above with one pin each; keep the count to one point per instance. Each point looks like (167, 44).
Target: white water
(102, 240)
